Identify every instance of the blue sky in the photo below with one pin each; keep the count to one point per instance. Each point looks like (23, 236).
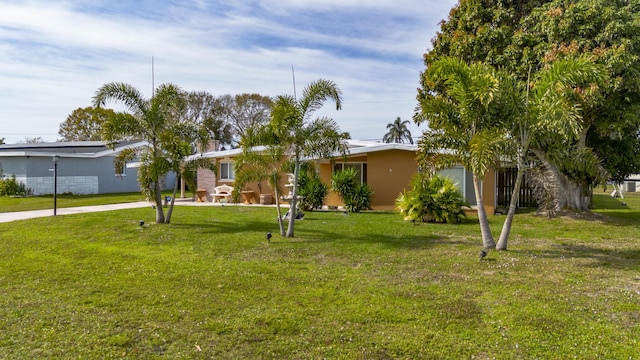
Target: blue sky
(54, 55)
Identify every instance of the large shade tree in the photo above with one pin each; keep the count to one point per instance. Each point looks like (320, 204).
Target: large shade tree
(210, 112)
(523, 36)
(465, 120)
(158, 122)
(84, 124)
(398, 132)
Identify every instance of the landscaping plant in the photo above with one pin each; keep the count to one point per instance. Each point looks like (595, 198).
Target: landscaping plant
(313, 191)
(356, 196)
(431, 199)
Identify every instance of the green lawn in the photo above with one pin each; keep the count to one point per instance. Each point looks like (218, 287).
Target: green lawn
(363, 286)
(11, 204)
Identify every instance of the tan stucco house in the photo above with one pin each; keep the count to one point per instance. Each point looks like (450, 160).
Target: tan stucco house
(386, 167)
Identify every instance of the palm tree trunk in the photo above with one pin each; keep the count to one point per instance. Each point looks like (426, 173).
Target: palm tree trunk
(274, 185)
(485, 230)
(158, 198)
(294, 200)
(506, 227)
(167, 220)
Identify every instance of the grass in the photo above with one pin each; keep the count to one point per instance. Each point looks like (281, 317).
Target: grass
(10, 204)
(363, 286)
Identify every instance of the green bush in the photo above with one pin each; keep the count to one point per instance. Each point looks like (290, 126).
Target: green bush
(431, 199)
(11, 187)
(356, 196)
(313, 191)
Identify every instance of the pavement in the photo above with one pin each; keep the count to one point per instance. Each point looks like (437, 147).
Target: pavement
(32, 214)
(23, 215)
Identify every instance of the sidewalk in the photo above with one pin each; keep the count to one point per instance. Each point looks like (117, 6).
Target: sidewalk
(23, 215)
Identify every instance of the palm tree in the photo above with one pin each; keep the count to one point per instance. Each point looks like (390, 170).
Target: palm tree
(292, 127)
(154, 120)
(464, 124)
(398, 132)
(546, 108)
(259, 162)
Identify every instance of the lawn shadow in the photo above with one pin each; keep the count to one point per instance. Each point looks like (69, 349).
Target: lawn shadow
(622, 259)
(331, 228)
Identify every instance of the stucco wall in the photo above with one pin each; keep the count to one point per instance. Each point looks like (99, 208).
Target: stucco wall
(388, 173)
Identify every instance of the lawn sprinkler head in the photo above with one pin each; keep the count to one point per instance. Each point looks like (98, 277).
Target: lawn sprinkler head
(269, 237)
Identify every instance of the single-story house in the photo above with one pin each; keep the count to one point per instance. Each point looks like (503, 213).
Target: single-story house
(386, 167)
(84, 167)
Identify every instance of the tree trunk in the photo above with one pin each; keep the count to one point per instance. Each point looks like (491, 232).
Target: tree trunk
(485, 230)
(572, 195)
(568, 194)
(506, 227)
(278, 210)
(158, 199)
(294, 200)
(167, 220)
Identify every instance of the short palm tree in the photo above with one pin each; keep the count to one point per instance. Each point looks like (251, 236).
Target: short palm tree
(464, 124)
(292, 126)
(545, 108)
(157, 121)
(398, 132)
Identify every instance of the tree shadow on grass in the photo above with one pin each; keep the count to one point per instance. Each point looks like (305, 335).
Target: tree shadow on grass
(623, 259)
(316, 230)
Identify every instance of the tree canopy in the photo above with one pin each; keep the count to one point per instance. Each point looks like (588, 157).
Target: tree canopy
(84, 124)
(398, 132)
(524, 36)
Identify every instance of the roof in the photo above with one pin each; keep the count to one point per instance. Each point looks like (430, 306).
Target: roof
(355, 147)
(76, 149)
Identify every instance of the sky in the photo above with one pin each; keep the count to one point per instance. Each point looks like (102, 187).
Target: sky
(54, 55)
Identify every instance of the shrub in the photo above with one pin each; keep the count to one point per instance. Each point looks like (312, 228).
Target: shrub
(431, 199)
(11, 187)
(356, 196)
(313, 191)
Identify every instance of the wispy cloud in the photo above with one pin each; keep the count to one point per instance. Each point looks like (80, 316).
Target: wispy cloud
(55, 55)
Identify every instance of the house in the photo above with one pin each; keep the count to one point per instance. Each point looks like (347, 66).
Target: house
(386, 167)
(84, 167)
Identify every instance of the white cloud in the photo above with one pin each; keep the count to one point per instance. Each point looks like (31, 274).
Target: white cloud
(55, 55)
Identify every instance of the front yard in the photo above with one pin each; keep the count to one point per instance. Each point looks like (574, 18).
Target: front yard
(362, 286)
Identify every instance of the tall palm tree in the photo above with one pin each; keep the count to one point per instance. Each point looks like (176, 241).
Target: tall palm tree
(398, 132)
(464, 124)
(154, 120)
(292, 126)
(546, 108)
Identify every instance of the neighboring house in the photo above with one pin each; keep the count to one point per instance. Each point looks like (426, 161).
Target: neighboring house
(386, 167)
(84, 167)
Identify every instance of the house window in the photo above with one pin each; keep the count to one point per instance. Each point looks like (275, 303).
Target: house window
(361, 170)
(226, 171)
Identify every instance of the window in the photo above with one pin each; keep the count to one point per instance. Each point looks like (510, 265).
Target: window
(361, 169)
(226, 171)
